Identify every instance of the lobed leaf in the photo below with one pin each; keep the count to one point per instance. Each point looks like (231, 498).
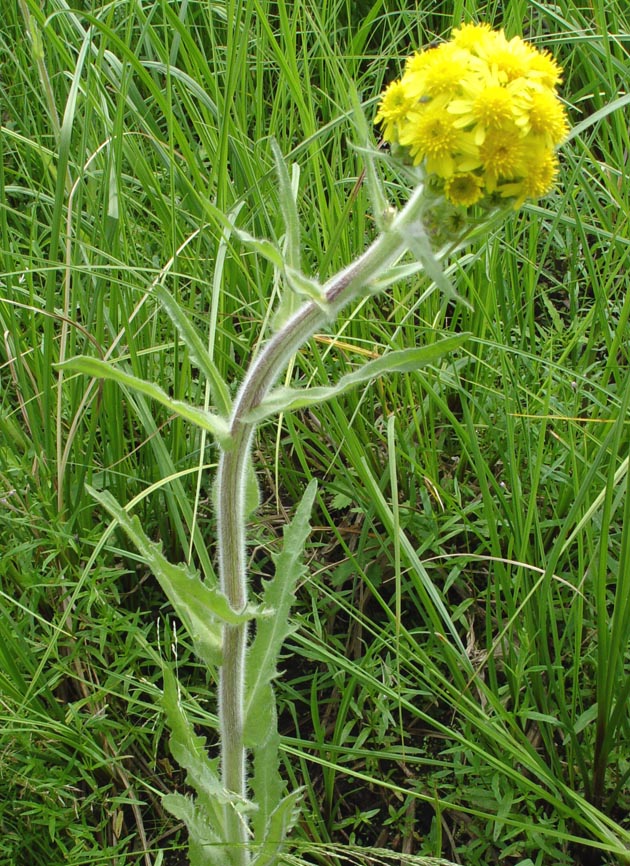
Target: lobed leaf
(204, 848)
(266, 782)
(279, 825)
(190, 752)
(203, 815)
(271, 631)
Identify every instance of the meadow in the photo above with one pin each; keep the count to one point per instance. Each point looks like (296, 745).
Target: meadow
(457, 684)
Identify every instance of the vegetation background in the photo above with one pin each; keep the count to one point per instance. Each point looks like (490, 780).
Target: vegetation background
(498, 479)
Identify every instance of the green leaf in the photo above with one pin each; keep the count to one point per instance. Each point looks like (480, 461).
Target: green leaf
(378, 199)
(190, 752)
(419, 244)
(214, 424)
(586, 718)
(280, 823)
(267, 249)
(272, 630)
(288, 209)
(266, 782)
(403, 361)
(596, 116)
(204, 846)
(305, 287)
(203, 609)
(198, 352)
(261, 730)
(204, 815)
(394, 274)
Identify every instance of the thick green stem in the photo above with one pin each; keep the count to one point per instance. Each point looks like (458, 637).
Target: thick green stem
(263, 372)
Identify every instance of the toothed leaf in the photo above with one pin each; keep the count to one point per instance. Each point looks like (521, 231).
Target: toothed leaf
(271, 821)
(202, 608)
(204, 847)
(280, 824)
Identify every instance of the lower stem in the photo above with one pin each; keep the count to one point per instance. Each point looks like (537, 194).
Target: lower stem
(231, 542)
(232, 746)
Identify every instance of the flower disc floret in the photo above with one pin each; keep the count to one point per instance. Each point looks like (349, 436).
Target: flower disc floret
(470, 36)
(509, 58)
(502, 155)
(441, 75)
(541, 169)
(489, 105)
(544, 69)
(420, 61)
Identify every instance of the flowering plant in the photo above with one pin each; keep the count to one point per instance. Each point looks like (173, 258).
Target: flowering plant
(478, 118)
(480, 115)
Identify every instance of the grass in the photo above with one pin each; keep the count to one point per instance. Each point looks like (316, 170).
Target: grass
(491, 727)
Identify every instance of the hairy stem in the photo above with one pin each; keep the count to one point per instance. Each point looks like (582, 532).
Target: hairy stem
(261, 375)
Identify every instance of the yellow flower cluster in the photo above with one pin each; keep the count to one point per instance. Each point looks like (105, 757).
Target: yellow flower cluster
(480, 115)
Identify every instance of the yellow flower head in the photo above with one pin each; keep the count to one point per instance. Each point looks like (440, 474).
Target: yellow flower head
(502, 155)
(430, 135)
(511, 58)
(480, 115)
(470, 36)
(439, 75)
(546, 117)
(394, 108)
(544, 68)
(541, 168)
(487, 104)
